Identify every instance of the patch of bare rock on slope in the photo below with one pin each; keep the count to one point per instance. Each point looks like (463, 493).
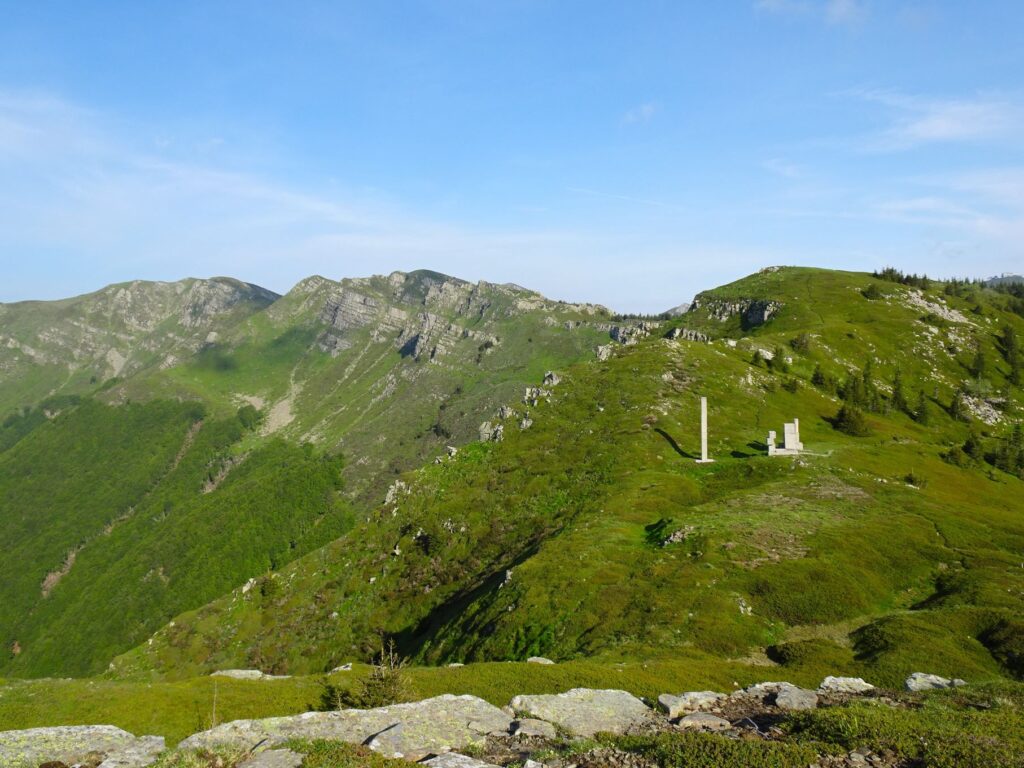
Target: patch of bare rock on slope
(436, 731)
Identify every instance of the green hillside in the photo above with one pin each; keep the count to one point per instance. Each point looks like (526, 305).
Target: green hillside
(593, 533)
(112, 526)
(387, 370)
(235, 432)
(74, 345)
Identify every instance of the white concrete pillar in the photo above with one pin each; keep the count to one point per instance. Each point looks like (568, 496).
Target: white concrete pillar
(704, 432)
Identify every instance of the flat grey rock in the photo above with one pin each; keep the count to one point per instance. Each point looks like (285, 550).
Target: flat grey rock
(780, 694)
(247, 674)
(691, 701)
(920, 681)
(790, 697)
(71, 743)
(844, 685)
(704, 721)
(584, 711)
(140, 754)
(455, 760)
(532, 728)
(274, 758)
(413, 730)
(539, 660)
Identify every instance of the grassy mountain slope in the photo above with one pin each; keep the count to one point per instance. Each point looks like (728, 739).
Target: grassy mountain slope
(126, 500)
(594, 533)
(387, 370)
(112, 525)
(72, 346)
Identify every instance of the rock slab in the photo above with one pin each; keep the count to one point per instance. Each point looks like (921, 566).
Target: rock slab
(704, 721)
(413, 731)
(247, 674)
(691, 701)
(782, 695)
(142, 753)
(845, 685)
(70, 744)
(455, 760)
(584, 711)
(920, 681)
(531, 728)
(274, 758)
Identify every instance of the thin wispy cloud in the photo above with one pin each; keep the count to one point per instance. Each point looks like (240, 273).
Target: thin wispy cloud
(918, 120)
(845, 11)
(834, 12)
(103, 201)
(625, 198)
(782, 167)
(643, 113)
(72, 181)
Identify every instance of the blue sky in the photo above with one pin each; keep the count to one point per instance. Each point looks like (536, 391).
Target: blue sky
(625, 153)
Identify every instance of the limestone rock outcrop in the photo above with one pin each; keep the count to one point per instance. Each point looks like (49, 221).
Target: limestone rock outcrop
(585, 711)
(845, 685)
(691, 701)
(73, 743)
(921, 681)
(782, 695)
(413, 731)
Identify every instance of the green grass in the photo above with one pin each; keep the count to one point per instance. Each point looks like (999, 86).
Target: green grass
(126, 497)
(975, 726)
(835, 546)
(177, 709)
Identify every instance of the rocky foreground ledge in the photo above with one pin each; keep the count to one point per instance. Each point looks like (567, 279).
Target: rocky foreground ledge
(433, 731)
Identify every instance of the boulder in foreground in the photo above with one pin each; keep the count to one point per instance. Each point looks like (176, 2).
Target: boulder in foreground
(71, 744)
(584, 712)
(691, 701)
(920, 681)
(845, 685)
(413, 730)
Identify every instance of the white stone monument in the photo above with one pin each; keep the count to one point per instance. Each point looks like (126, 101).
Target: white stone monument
(791, 445)
(704, 433)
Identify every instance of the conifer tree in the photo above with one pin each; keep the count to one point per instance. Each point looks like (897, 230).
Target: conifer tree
(956, 406)
(899, 400)
(921, 415)
(979, 365)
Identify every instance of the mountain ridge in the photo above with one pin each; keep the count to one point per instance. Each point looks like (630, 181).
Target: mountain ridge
(386, 370)
(590, 532)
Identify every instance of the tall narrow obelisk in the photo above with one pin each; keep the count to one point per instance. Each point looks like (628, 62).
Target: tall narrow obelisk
(704, 432)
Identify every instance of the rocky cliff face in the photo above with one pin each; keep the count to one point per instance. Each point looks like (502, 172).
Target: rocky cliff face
(116, 331)
(751, 312)
(422, 314)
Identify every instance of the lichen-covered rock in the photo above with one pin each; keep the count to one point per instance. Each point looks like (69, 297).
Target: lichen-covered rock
(412, 730)
(791, 697)
(920, 681)
(781, 695)
(691, 701)
(455, 760)
(71, 744)
(844, 685)
(531, 728)
(139, 754)
(704, 721)
(584, 712)
(247, 674)
(274, 758)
